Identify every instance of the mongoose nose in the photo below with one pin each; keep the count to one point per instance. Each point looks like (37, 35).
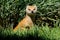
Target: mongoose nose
(32, 12)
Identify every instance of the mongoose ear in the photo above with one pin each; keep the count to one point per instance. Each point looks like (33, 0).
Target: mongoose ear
(34, 5)
(27, 6)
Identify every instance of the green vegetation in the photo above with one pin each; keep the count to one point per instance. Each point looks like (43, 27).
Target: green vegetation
(12, 11)
(41, 33)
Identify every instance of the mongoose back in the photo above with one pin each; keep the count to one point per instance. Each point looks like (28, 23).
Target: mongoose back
(27, 21)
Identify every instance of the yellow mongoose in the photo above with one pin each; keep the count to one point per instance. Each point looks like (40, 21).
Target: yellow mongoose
(27, 22)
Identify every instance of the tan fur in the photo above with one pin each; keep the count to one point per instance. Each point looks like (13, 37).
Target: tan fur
(24, 23)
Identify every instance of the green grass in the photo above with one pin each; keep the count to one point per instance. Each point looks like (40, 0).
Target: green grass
(41, 33)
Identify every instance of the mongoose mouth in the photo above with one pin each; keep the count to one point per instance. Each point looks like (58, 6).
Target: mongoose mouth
(32, 14)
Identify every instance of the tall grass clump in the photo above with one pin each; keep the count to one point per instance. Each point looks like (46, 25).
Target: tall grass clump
(41, 33)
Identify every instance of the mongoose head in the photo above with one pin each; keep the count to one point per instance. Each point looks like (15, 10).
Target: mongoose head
(31, 9)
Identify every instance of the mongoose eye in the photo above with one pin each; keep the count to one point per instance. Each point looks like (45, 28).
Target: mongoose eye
(34, 9)
(29, 9)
